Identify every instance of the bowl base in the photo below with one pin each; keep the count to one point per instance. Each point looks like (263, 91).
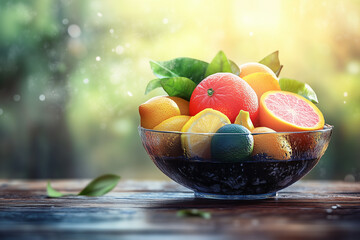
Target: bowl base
(234, 197)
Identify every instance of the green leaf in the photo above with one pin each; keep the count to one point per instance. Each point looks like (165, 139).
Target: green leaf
(100, 185)
(193, 213)
(97, 187)
(273, 62)
(178, 87)
(234, 68)
(52, 192)
(220, 63)
(180, 67)
(153, 84)
(295, 86)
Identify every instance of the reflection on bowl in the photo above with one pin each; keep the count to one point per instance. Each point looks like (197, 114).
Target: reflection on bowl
(255, 177)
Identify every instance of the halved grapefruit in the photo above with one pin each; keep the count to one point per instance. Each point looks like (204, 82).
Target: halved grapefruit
(285, 111)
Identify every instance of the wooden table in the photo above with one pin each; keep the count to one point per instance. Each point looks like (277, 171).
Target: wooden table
(148, 210)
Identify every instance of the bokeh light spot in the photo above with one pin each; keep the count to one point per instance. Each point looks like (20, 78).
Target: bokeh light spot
(74, 31)
(119, 49)
(42, 97)
(17, 97)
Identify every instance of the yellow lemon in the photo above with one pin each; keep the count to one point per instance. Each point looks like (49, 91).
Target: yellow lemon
(172, 124)
(244, 119)
(206, 121)
(156, 110)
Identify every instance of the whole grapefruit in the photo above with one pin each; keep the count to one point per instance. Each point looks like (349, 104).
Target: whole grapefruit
(226, 93)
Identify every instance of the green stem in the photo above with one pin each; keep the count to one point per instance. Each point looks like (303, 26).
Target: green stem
(210, 92)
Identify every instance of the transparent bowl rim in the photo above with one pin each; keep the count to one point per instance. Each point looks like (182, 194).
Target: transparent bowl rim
(327, 128)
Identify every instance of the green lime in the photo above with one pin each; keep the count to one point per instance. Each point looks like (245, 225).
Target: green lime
(232, 143)
(295, 86)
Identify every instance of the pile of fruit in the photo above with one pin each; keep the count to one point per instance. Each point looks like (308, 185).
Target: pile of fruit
(240, 101)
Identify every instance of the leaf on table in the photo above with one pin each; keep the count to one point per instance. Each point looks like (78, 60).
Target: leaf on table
(301, 88)
(272, 61)
(100, 185)
(193, 213)
(153, 84)
(52, 192)
(97, 187)
(220, 63)
(234, 68)
(178, 87)
(180, 67)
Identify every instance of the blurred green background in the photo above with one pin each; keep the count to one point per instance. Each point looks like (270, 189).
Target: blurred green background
(72, 74)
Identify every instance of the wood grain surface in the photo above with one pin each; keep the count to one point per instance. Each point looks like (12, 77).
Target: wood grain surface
(147, 210)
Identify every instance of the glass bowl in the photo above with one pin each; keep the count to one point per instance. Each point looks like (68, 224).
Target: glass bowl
(281, 159)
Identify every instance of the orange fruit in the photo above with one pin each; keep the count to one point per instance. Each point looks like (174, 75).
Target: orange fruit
(304, 143)
(285, 111)
(156, 110)
(254, 67)
(262, 82)
(172, 124)
(182, 104)
(206, 121)
(273, 145)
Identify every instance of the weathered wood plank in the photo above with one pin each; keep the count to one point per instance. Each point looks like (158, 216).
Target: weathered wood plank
(148, 209)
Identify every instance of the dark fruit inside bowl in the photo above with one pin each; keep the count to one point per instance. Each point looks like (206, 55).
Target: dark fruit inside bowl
(232, 147)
